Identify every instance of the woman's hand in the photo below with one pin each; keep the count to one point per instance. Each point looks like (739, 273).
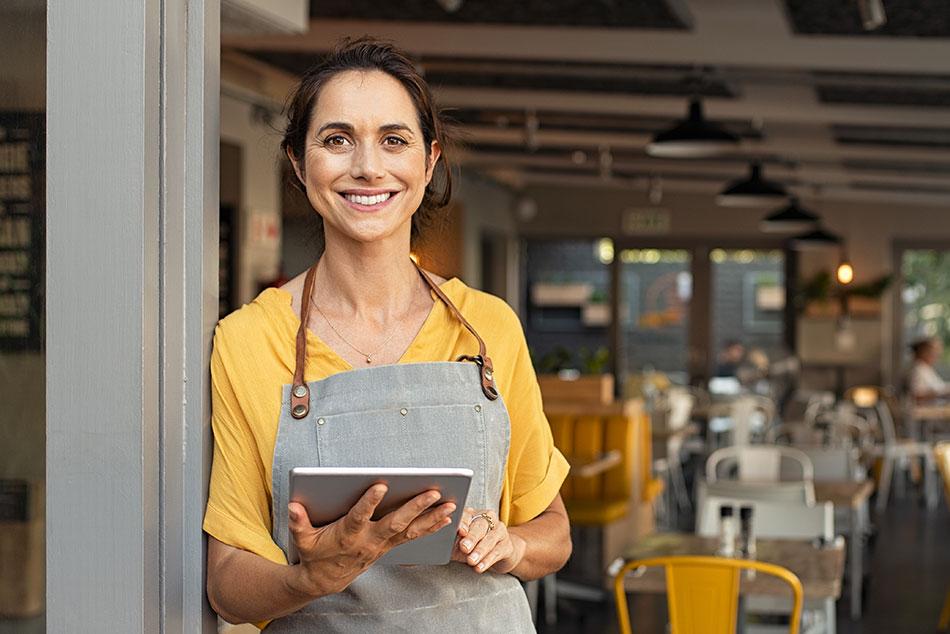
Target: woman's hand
(332, 556)
(485, 545)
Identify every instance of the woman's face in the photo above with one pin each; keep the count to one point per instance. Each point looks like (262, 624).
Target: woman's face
(365, 163)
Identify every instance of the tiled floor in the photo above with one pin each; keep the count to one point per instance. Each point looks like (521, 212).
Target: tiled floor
(909, 574)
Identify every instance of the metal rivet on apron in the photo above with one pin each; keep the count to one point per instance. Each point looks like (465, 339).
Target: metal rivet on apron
(300, 410)
(403, 411)
(320, 421)
(488, 374)
(300, 391)
(478, 408)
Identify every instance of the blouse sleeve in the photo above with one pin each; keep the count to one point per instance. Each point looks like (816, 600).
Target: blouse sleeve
(238, 511)
(536, 469)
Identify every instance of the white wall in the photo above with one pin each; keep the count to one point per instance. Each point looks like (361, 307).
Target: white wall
(258, 259)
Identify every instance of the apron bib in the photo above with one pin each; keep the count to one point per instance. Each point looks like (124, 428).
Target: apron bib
(440, 414)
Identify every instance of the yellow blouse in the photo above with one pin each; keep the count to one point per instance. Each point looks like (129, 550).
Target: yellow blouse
(253, 358)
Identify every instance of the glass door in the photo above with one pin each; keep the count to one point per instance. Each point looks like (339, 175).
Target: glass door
(656, 290)
(747, 312)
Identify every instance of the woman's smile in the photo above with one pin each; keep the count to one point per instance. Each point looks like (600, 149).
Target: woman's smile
(368, 200)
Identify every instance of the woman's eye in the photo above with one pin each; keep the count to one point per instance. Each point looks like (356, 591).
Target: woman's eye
(335, 140)
(394, 140)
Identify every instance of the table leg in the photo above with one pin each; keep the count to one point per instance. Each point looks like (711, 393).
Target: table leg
(856, 548)
(831, 624)
(740, 617)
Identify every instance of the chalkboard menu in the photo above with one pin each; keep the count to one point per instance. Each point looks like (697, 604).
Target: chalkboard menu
(22, 229)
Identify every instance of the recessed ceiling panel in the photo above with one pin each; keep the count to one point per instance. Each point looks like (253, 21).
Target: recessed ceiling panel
(905, 18)
(642, 14)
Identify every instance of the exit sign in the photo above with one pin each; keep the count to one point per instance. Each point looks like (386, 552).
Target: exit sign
(646, 222)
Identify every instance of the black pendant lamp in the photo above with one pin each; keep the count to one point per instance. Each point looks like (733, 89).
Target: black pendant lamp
(692, 137)
(753, 191)
(816, 240)
(792, 218)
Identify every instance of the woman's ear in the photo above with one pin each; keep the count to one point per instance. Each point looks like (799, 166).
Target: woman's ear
(435, 151)
(296, 166)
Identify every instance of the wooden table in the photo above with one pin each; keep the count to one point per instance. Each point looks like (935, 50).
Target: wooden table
(854, 497)
(819, 569)
(930, 415)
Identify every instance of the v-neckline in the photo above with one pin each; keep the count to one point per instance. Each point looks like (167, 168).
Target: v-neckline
(314, 338)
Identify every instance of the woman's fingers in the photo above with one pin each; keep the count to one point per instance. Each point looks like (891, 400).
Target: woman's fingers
(431, 521)
(478, 528)
(299, 521)
(467, 514)
(362, 512)
(400, 519)
(486, 545)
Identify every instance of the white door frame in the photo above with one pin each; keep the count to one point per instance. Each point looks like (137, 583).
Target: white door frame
(132, 213)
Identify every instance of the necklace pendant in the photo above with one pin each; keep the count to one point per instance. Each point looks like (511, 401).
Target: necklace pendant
(369, 359)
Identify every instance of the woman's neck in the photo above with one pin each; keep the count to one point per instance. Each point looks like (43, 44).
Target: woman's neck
(368, 281)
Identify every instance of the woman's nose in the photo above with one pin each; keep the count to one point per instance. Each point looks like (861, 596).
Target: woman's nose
(367, 163)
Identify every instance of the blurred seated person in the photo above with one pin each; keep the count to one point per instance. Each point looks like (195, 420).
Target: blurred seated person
(730, 358)
(923, 382)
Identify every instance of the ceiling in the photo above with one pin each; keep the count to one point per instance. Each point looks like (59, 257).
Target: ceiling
(570, 91)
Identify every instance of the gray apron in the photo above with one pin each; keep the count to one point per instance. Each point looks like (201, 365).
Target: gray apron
(440, 414)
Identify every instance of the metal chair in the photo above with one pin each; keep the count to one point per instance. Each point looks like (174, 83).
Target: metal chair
(703, 592)
(758, 463)
(873, 400)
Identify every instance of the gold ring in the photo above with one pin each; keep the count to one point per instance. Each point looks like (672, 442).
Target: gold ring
(486, 517)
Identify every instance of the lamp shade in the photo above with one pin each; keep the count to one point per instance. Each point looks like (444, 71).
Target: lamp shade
(816, 240)
(693, 137)
(753, 191)
(792, 218)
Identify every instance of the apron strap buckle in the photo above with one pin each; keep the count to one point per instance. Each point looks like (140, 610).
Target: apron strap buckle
(487, 372)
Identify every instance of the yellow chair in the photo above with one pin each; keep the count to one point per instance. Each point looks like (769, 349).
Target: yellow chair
(942, 454)
(703, 592)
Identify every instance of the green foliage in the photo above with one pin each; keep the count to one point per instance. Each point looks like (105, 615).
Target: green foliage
(926, 296)
(593, 362)
(587, 362)
(823, 287)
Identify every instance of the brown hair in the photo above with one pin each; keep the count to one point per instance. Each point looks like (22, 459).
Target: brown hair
(366, 54)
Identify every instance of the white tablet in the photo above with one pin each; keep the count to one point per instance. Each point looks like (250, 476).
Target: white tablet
(329, 493)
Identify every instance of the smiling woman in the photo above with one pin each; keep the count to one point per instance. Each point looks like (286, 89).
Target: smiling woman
(366, 144)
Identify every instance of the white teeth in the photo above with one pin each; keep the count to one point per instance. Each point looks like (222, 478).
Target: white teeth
(368, 200)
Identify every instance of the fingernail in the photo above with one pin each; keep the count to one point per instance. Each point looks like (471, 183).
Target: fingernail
(473, 558)
(293, 514)
(481, 566)
(449, 508)
(466, 544)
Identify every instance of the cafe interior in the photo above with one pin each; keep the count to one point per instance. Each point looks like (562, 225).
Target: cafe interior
(725, 226)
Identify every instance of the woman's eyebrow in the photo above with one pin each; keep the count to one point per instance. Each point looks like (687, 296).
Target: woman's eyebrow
(395, 127)
(336, 125)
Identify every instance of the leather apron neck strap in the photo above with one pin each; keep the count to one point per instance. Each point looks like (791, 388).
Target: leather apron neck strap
(300, 391)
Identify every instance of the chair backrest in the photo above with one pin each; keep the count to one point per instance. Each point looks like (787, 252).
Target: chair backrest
(942, 454)
(794, 492)
(758, 463)
(703, 592)
(832, 463)
(680, 408)
(585, 438)
(777, 520)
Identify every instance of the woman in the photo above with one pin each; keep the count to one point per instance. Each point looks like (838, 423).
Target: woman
(393, 366)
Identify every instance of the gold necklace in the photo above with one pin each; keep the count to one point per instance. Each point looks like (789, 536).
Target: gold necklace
(369, 356)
